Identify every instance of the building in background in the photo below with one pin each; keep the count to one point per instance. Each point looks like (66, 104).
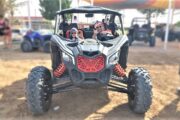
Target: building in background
(20, 18)
(37, 22)
(129, 14)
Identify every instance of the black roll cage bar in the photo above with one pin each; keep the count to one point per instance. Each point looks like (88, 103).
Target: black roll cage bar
(91, 9)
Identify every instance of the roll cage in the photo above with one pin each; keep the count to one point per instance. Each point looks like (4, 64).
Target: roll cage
(89, 10)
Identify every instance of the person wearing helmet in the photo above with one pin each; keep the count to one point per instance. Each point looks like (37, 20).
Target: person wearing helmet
(57, 63)
(74, 34)
(99, 34)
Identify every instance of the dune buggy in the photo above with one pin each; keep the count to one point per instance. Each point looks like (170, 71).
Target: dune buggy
(174, 32)
(141, 30)
(88, 64)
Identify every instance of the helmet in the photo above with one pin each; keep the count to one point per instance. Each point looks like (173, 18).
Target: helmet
(73, 30)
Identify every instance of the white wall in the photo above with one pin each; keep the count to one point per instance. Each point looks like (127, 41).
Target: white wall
(23, 10)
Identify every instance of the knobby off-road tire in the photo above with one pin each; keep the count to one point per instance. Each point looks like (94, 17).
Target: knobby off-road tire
(26, 46)
(38, 90)
(46, 46)
(152, 41)
(130, 38)
(140, 87)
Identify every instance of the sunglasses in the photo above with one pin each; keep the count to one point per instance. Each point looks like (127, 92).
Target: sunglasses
(74, 33)
(98, 27)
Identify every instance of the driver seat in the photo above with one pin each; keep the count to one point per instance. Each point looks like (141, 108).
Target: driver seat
(112, 26)
(80, 34)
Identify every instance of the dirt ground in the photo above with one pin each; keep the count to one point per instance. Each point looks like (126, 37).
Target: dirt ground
(93, 104)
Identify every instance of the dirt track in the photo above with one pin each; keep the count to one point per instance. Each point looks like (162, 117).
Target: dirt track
(93, 104)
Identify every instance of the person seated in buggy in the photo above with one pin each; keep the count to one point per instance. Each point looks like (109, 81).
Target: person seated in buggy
(102, 34)
(90, 64)
(73, 32)
(72, 35)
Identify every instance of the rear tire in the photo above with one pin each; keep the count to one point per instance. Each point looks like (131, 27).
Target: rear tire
(130, 40)
(46, 46)
(26, 46)
(178, 36)
(152, 41)
(38, 90)
(139, 85)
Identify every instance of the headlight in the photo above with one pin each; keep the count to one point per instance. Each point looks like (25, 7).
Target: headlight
(66, 57)
(113, 59)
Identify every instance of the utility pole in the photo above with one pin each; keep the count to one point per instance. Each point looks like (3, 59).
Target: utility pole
(92, 2)
(78, 1)
(29, 15)
(168, 22)
(60, 5)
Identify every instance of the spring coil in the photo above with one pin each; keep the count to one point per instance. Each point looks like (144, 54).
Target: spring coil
(59, 70)
(119, 70)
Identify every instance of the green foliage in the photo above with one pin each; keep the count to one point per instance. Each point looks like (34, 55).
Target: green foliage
(49, 7)
(149, 12)
(2, 7)
(11, 6)
(7, 6)
(177, 24)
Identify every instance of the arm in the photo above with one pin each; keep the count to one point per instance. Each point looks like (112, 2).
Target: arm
(95, 35)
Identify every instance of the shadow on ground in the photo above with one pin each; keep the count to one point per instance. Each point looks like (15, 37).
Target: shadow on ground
(123, 112)
(170, 112)
(77, 104)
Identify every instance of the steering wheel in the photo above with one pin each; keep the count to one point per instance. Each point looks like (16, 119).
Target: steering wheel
(105, 36)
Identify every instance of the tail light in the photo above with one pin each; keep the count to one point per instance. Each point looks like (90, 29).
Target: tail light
(90, 65)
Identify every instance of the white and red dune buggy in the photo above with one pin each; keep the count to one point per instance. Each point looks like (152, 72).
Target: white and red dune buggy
(89, 63)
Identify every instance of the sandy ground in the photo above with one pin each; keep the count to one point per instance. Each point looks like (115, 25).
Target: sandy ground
(92, 104)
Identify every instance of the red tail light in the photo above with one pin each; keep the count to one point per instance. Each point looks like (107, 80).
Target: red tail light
(85, 64)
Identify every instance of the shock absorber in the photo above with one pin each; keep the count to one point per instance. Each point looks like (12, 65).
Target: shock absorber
(59, 70)
(119, 70)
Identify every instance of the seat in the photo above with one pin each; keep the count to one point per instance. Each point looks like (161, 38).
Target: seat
(112, 26)
(73, 25)
(80, 34)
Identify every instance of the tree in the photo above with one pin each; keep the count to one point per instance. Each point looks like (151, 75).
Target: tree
(2, 7)
(149, 12)
(11, 6)
(49, 7)
(7, 6)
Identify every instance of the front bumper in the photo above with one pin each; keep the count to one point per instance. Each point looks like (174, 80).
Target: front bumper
(89, 80)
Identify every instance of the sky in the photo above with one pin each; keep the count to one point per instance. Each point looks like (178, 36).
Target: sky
(23, 9)
(128, 16)
(34, 4)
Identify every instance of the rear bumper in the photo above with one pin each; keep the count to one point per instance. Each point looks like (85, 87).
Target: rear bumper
(141, 36)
